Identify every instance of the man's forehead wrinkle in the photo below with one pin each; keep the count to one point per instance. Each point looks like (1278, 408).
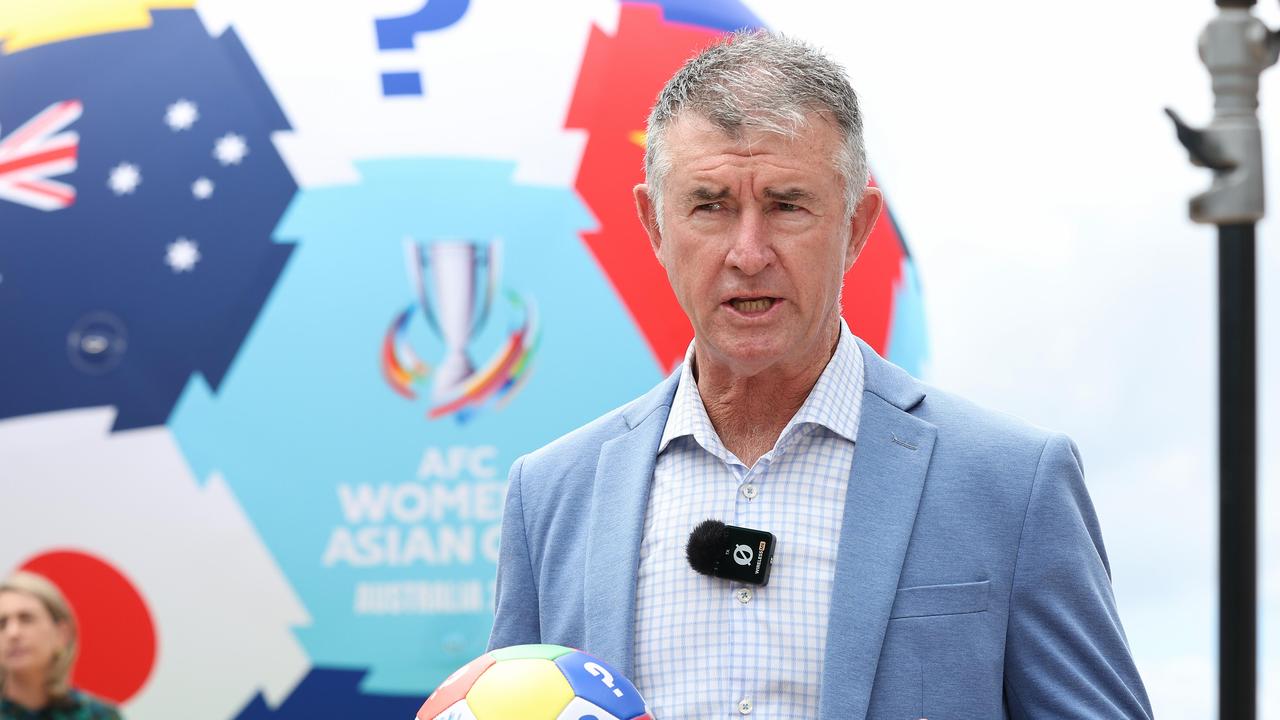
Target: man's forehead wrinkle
(747, 141)
(751, 141)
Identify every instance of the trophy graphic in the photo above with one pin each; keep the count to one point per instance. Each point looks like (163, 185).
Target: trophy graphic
(454, 281)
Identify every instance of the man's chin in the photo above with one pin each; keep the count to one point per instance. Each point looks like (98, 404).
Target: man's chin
(740, 357)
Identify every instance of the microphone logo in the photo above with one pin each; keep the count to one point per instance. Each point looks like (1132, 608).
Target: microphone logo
(742, 554)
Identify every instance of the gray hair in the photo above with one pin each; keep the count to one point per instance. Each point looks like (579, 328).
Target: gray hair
(757, 79)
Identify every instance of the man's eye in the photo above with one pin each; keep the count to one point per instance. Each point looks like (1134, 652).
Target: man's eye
(709, 207)
(788, 207)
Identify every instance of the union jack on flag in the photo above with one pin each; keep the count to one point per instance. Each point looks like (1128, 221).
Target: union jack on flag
(35, 152)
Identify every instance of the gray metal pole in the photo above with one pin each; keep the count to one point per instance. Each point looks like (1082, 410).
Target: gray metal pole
(1236, 47)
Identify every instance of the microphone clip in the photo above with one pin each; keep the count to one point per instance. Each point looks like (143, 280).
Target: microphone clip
(731, 552)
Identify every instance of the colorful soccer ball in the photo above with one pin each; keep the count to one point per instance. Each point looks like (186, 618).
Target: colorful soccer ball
(535, 682)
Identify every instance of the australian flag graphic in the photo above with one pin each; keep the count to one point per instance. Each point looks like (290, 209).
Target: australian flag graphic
(138, 191)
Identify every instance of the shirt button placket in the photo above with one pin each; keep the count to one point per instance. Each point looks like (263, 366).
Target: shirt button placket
(747, 491)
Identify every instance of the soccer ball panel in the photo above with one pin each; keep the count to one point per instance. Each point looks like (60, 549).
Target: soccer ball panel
(457, 711)
(517, 652)
(535, 682)
(599, 682)
(454, 689)
(529, 689)
(581, 709)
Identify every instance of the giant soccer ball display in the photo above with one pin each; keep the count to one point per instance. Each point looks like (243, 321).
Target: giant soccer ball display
(359, 270)
(535, 682)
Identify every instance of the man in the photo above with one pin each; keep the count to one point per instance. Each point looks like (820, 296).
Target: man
(933, 559)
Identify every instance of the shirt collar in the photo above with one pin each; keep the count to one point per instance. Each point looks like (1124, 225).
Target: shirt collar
(688, 416)
(835, 402)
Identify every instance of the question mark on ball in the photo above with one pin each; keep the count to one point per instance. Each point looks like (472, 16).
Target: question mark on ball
(397, 33)
(605, 676)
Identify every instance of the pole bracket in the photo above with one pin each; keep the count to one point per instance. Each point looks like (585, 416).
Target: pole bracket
(1236, 47)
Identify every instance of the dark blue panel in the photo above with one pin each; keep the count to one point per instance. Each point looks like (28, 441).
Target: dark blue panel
(325, 693)
(105, 255)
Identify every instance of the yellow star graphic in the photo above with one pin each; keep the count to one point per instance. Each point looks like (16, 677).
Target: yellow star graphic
(27, 24)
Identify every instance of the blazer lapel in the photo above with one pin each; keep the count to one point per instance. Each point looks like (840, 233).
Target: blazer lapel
(890, 461)
(619, 502)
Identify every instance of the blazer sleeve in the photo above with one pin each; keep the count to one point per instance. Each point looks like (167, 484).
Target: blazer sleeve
(515, 619)
(1066, 655)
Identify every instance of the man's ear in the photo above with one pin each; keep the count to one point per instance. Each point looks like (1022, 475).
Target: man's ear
(861, 222)
(648, 217)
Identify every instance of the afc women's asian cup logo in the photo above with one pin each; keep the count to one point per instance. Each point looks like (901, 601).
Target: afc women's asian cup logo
(454, 282)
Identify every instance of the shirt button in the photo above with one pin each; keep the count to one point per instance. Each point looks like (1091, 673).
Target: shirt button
(744, 595)
(744, 706)
(749, 491)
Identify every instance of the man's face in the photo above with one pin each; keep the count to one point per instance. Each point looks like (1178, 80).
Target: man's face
(756, 240)
(29, 637)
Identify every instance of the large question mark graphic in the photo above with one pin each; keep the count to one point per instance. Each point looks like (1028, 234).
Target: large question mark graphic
(605, 676)
(397, 33)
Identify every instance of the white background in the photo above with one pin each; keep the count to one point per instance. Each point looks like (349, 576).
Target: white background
(1043, 194)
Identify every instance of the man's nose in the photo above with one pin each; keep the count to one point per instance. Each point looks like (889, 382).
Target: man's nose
(752, 248)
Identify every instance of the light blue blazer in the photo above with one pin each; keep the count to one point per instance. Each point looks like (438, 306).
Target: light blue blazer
(971, 581)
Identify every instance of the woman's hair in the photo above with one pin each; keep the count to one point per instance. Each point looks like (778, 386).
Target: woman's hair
(58, 681)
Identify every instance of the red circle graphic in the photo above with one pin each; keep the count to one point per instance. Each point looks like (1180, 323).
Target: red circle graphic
(117, 634)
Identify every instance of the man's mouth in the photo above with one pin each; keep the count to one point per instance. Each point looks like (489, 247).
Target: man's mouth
(752, 305)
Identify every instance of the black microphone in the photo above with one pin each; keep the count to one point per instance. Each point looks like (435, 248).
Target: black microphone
(731, 552)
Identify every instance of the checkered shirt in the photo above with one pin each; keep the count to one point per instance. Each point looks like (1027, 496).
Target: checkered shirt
(710, 648)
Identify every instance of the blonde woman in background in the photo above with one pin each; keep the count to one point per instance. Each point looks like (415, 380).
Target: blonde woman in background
(37, 649)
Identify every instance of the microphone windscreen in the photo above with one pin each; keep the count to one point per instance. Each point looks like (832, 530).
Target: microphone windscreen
(706, 545)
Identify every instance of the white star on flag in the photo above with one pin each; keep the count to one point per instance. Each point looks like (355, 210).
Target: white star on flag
(181, 115)
(202, 188)
(230, 149)
(182, 255)
(124, 179)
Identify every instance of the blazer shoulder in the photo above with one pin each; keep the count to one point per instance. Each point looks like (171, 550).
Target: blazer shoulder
(960, 417)
(579, 449)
